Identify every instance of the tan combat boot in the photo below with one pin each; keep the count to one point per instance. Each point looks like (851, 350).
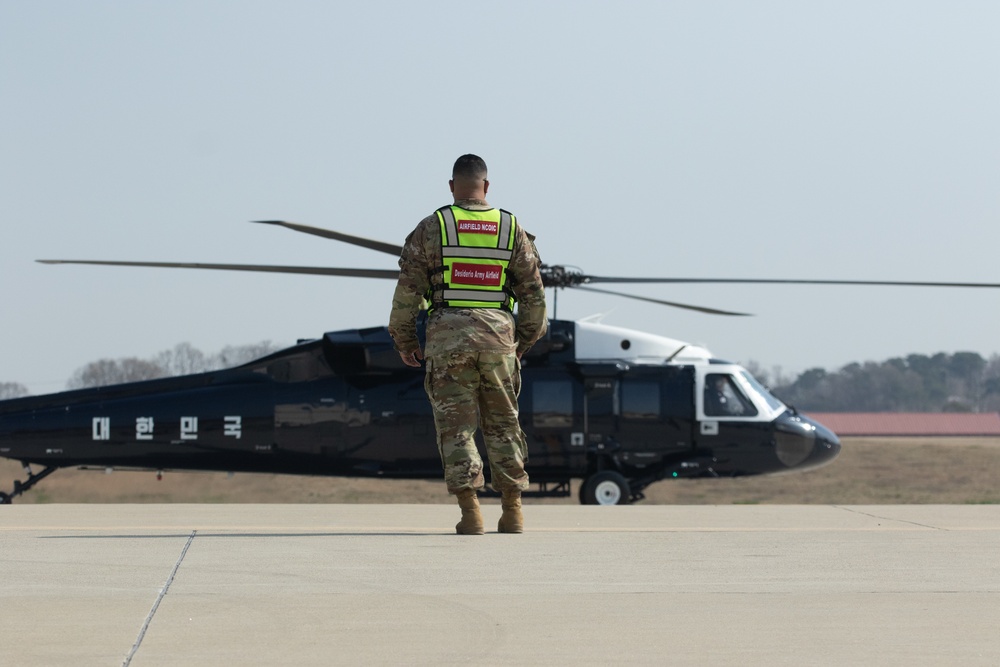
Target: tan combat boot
(511, 521)
(472, 518)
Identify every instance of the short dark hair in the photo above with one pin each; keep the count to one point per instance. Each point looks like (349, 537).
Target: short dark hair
(469, 167)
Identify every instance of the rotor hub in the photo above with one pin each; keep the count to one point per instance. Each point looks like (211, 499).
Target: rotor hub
(562, 276)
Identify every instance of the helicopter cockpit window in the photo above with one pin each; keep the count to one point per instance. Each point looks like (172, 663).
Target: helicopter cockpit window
(552, 403)
(640, 399)
(769, 398)
(724, 398)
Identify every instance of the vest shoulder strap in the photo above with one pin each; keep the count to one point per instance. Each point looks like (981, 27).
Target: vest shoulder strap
(449, 230)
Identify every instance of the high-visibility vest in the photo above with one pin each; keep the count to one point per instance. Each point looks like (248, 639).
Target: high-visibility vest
(476, 247)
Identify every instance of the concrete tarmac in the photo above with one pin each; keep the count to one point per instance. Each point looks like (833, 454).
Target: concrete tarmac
(233, 585)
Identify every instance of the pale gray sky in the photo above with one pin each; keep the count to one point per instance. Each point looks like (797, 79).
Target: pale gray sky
(852, 140)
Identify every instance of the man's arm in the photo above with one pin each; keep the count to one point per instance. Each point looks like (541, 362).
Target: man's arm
(408, 299)
(525, 266)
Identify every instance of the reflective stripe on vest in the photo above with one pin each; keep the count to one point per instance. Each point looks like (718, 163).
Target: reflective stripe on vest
(476, 247)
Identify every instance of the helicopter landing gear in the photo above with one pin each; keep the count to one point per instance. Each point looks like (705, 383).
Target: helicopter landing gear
(605, 488)
(20, 487)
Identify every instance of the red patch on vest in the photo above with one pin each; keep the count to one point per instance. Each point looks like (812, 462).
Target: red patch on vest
(475, 274)
(477, 227)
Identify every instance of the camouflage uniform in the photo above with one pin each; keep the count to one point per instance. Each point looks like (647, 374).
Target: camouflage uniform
(473, 373)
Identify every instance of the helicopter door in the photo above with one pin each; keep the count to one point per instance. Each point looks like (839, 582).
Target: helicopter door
(551, 416)
(656, 414)
(729, 418)
(642, 415)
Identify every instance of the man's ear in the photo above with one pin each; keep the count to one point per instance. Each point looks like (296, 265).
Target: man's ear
(486, 186)
(451, 186)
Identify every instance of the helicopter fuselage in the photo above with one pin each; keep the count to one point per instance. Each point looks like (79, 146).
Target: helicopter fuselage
(617, 408)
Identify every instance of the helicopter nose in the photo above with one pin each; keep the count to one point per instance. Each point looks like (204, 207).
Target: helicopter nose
(825, 448)
(802, 443)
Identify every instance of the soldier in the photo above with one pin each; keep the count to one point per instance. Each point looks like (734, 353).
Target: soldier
(473, 263)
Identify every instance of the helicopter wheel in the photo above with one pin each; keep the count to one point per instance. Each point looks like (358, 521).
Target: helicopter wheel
(606, 488)
(5, 499)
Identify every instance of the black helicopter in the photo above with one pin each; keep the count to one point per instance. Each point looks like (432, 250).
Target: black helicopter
(619, 409)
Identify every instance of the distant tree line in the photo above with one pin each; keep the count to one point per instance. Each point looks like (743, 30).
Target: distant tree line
(181, 360)
(12, 390)
(960, 382)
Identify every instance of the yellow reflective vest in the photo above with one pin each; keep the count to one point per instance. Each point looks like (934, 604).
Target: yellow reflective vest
(476, 247)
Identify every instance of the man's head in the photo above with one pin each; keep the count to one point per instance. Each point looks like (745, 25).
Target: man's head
(468, 178)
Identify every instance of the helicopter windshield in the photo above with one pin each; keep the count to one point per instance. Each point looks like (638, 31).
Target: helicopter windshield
(762, 391)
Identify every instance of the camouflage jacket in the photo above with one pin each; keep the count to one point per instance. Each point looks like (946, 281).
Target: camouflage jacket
(464, 329)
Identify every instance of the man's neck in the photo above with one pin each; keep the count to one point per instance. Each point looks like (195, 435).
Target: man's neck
(477, 200)
(471, 193)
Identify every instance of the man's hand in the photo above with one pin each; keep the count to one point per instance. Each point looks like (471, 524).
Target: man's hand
(412, 358)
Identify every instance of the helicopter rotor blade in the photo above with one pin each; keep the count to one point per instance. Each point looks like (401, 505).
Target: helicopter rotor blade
(586, 280)
(307, 270)
(371, 244)
(700, 309)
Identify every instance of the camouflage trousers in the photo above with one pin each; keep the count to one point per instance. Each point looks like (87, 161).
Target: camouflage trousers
(473, 389)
